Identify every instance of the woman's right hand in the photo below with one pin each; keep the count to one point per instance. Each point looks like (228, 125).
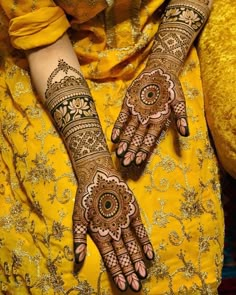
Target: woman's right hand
(106, 208)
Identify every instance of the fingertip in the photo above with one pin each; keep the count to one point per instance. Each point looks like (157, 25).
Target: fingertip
(128, 159)
(120, 282)
(140, 269)
(121, 149)
(134, 282)
(148, 251)
(80, 252)
(115, 135)
(184, 131)
(140, 158)
(182, 126)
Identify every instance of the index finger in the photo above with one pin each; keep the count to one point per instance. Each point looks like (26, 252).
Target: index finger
(120, 124)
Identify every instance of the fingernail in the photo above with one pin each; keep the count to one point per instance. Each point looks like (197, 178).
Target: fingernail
(128, 158)
(134, 282)
(141, 269)
(115, 135)
(122, 147)
(121, 282)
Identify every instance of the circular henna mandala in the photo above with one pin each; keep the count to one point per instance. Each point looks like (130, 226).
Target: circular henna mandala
(149, 96)
(108, 205)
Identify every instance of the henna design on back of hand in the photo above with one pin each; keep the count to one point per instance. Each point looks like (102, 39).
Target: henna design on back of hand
(104, 206)
(148, 104)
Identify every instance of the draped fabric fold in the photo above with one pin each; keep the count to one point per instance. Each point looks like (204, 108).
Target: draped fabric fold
(41, 27)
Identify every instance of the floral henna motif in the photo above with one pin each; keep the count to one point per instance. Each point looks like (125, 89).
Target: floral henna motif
(150, 99)
(109, 205)
(150, 95)
(104, 205)
(181, 22)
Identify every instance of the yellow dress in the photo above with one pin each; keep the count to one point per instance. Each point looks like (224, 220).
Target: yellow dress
(178, 191)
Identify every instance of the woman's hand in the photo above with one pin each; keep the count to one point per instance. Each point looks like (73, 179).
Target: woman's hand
(106, 209)
(148, 104)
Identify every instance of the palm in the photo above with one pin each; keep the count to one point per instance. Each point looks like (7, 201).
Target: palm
(148, 103)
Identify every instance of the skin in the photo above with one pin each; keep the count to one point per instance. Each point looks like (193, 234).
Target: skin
(105, 207)
(157, 91)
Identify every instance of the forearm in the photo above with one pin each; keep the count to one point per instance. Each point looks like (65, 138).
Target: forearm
(56, 75)
(181, 22)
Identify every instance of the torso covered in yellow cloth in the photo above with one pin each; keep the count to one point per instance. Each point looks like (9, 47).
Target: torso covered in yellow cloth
(178, 191)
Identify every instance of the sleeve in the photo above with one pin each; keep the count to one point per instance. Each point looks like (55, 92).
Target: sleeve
(33, 26)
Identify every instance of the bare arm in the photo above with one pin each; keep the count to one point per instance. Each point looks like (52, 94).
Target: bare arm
(181, 22)
(104, 205)
(157, 91)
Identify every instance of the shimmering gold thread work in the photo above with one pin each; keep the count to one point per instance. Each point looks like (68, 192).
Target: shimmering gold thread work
(104, 204)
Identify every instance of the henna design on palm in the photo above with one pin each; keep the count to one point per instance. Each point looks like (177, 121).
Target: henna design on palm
(107, 210)
(148, 104)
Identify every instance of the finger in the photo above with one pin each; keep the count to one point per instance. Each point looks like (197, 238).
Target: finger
(135, 253)
(179, 109)
(143, 237)
(120, 124)
(126, 265)
(80, 241)
(135, 143)
(127, 136)
(111, 261)
(149, 142)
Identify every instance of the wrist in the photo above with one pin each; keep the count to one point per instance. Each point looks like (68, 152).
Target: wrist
(165, 61)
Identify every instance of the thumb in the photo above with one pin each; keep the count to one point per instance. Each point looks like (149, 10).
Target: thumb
(80, 240)
(179, 109)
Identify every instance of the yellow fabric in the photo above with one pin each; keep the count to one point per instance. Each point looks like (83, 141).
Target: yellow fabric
(217, 49)
(38, 28)
(178, 191)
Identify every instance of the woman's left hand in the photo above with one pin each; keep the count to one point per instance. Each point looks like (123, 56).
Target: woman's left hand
(148, 104)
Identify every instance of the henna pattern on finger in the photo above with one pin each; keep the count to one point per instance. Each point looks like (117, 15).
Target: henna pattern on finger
(104, 205)
(119, 126)
(143, 237)
(135, 253)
